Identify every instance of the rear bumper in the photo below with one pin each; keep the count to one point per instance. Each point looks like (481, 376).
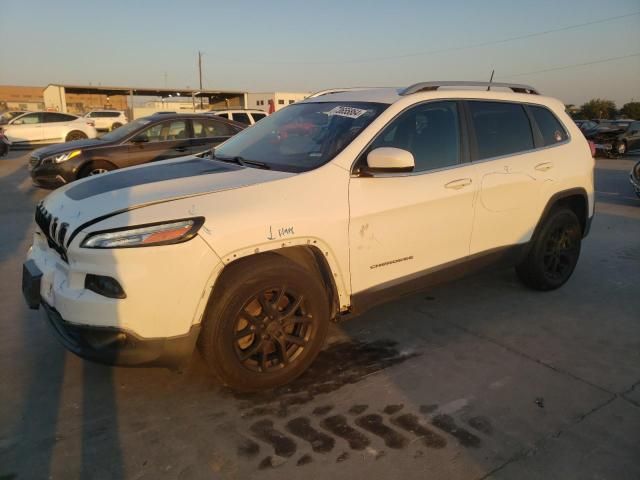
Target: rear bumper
(114, 346)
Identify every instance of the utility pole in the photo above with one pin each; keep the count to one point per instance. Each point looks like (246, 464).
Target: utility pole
(200, 74)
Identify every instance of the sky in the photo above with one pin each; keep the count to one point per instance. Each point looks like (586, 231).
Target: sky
(283, 45)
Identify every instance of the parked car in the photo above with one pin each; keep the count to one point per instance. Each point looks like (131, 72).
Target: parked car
(634, 178)
(4, 145)
(246, 116)
(250, 254)
(148, 139)
(47, 127)
(615, 138)
(107, 119)
(9, 114)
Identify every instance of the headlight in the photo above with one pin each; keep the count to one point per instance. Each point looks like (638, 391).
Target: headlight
(62, 157)
(164, 233)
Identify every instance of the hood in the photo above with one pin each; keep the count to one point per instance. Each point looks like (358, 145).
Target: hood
(68, 146)
(86, 201)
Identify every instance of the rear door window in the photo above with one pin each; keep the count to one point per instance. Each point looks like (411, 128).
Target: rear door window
(242, 118)
(51, 117)
(209, 127)
(258, 116)
(501, 128)
(550, 127)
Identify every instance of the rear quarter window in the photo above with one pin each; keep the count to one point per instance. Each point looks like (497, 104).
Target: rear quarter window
(550, 127)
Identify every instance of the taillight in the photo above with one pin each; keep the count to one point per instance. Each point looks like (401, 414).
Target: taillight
(592, 146)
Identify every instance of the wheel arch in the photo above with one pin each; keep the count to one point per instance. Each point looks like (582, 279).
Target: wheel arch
(310, 253)
(89, 161)
(575, 199)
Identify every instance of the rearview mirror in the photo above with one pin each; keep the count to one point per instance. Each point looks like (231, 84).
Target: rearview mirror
(140, 139)
(390, 159)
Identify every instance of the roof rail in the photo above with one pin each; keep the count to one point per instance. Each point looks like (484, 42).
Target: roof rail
(429, 86)
(339, 90)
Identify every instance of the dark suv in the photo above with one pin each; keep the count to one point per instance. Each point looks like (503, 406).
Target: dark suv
(157, 137)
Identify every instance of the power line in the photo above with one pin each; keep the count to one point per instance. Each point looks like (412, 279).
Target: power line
(453, 49)
(575, 65)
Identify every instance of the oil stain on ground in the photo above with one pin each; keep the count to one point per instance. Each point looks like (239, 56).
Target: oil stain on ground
(339, 365)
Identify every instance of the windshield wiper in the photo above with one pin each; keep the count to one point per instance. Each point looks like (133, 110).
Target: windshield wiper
(242, 161)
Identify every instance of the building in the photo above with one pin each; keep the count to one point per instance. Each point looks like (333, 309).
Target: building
(14, 97)
(79, 99)
(263, 100)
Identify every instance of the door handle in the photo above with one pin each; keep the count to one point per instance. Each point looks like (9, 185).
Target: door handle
(180, 149)
(543, 167)
(458, 184)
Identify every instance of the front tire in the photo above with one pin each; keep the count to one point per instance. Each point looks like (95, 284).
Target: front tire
(75, 135)
(554, 253)
(265, 323)
(95, 168)
(115, 125)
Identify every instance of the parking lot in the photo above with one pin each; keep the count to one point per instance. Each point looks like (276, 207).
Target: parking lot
(481, 378)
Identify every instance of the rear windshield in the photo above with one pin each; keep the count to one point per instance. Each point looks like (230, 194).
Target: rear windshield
(302, 136)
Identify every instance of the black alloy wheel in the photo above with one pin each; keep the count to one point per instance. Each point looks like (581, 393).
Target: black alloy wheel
(553, 252)
(272, 329)
(561, 253)
(265, 323)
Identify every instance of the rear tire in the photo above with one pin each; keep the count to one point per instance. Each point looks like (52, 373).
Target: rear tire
(554, 253)
(265, 323)
(95, 168)
(621, 149)
(75, 135)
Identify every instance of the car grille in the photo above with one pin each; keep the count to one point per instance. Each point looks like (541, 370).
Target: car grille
(54, 230)
(34, 161)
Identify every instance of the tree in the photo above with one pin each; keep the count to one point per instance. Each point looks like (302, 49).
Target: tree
(631, 110)
(598, 108)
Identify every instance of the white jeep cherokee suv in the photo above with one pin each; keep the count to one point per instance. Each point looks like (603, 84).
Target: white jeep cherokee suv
(320, 211)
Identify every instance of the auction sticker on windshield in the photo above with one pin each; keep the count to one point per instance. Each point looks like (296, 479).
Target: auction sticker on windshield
(349, 112)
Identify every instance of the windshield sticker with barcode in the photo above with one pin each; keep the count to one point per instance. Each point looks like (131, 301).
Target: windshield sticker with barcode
(349, 112)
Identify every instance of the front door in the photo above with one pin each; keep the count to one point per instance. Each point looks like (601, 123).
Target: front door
(404, 225)
(160, 141)
(25, 129)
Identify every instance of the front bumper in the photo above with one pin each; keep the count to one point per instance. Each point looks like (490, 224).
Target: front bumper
(108, 345)
(50, 175)
(114, 346)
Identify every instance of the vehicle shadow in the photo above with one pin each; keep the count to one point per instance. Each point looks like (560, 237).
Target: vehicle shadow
(46, 392)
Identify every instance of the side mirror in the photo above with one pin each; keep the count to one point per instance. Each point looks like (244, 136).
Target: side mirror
(18, 122)
(390, 159)
(140, 139)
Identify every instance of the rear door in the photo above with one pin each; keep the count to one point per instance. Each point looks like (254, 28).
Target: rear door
(209, 132)
(160, 141)
(55, 126)
(25, 129)
(512, 168)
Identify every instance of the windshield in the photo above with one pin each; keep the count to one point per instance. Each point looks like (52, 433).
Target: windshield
(124, 131)
(6, 116)
(303, 136)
